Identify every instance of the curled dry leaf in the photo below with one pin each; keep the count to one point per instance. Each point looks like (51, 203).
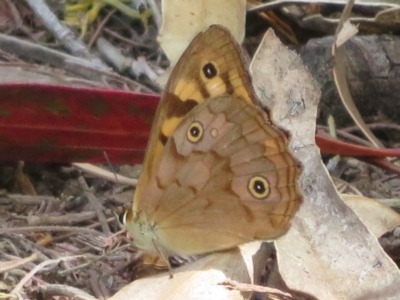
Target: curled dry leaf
(378, 218)
(328, 252)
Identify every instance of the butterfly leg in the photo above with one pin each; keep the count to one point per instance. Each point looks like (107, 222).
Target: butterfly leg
(165, 258)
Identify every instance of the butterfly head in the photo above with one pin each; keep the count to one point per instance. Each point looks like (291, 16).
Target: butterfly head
(144, 233)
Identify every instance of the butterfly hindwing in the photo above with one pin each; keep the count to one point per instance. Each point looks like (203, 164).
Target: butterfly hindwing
(225, 178)
(210, 66)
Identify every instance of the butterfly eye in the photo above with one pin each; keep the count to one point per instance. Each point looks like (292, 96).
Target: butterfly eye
(259, 187)
(209, 70)
(195, 132)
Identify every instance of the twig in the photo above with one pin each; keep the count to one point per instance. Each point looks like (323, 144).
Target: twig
(122, 266)
(26, 199)
(62, 33)
(50, 290)
(126, 40)
(18, 20)
(373, 126)
(26, 50)
(156, 13)
(56, 59)
(94, 259)
(5, 266)
(244, 287)
(49, 228)
(342, 185)
(100, 27)
(121, 63)
(279, 3)
(94, 225)
(96, 205)
(96, 282)
(68, 219)
(39, 267)
(347, 136)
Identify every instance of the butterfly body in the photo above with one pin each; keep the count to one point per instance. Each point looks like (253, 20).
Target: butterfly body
(217, 172)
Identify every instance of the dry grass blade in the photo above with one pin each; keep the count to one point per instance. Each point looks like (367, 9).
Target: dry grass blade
(40, 267)
(243, 287)
(344, 31)
(51, 290)
(5, 266)
(96, 205)
(107, 175)
(63, 34)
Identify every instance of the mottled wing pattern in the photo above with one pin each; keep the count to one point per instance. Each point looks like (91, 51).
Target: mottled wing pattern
(236, 183)
(212, 65)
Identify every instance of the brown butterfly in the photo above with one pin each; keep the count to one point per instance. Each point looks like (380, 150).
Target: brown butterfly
(217, 172)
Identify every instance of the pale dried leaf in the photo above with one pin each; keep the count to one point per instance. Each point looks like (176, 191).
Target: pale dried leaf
(377, 217)
(202, 279)
(184, 19)
(328, 252)
(348, 31)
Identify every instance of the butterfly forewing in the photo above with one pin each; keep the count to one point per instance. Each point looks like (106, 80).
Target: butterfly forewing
(212, 65)
(217, 173)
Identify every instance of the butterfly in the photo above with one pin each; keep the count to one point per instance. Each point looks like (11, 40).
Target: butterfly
(217, 172)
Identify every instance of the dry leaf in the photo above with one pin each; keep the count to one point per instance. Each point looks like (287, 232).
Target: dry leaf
(184, 19)
(23, 180)
(347, 32)
(202, 279)
(328, 252)
(377, 217)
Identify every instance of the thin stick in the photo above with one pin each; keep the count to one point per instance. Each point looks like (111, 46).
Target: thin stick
(62, 33)
(40, 267)
(96, 205)
(100, 27)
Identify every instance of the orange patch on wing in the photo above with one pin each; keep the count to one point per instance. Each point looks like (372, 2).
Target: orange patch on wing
(169, 126)
(272, 146)
(188, 90)
(239, 85)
